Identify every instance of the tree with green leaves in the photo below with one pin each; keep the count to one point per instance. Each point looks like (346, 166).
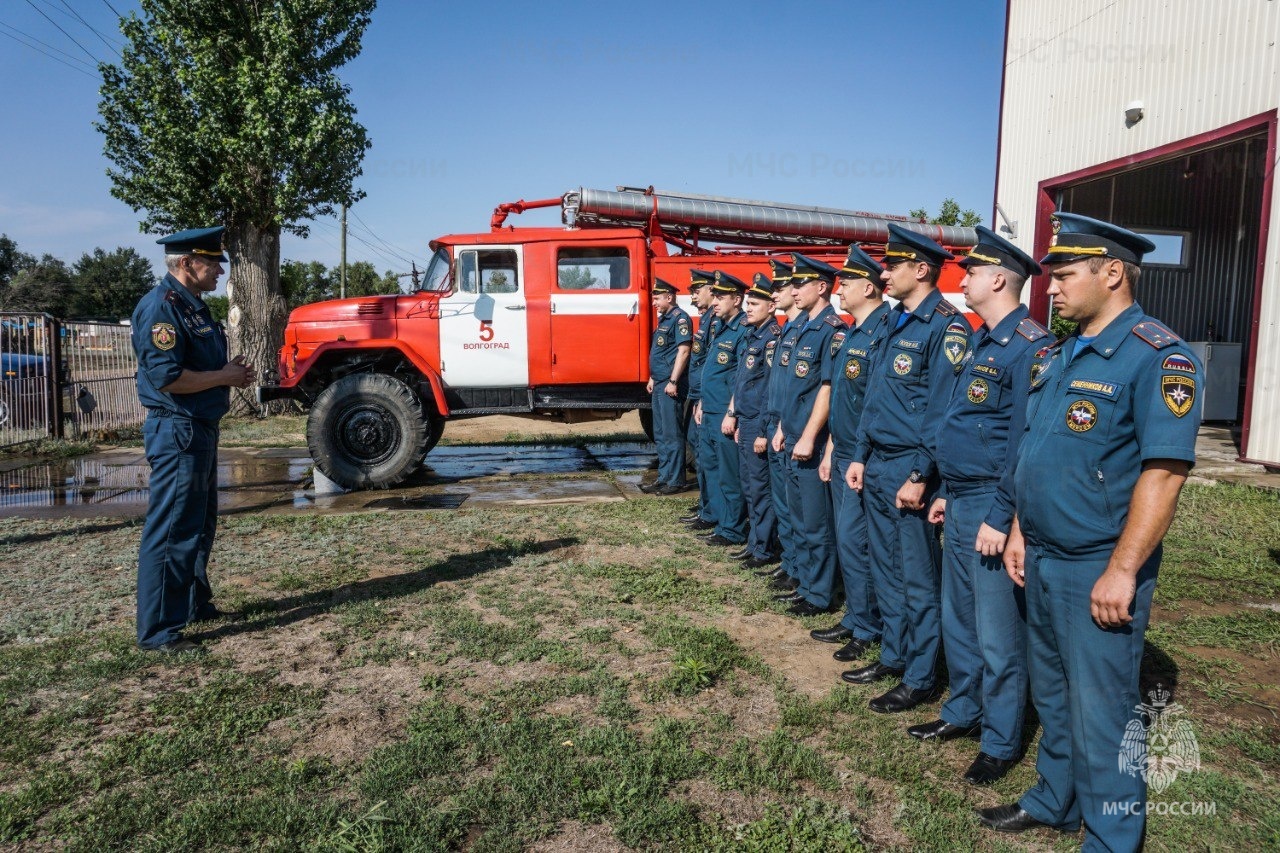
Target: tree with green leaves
(949, 214)
(233, 113)
(12, 261)
(44, 286)
(363, 280)
(306, 282)
(108, 285)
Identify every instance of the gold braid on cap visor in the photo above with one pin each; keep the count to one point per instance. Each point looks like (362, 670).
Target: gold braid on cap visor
(891, 253)
(988, 258)
(1078, 250)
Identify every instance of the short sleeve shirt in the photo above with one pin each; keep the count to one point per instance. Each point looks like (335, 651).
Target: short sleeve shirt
(174, 331)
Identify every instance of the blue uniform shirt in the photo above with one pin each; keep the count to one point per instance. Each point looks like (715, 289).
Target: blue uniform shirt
(912, 377)
(779, 361)
(722, 363)
(1130, 396)
(850, 374)
(752, 379)
(174, 331)
(673, 330)
(978, 437)
(707, 328)
(807, 372)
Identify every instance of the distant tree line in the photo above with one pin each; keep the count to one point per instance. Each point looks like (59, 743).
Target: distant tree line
(100, 286)
(304, 282)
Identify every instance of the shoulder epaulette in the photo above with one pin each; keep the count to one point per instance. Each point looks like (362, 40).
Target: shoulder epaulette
(946, 309)
(1031, 330)
(835, 321)
(1155, 334)
(172, 297)
(773, 330)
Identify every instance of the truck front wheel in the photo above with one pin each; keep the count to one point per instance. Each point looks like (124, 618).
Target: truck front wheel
(368, 431)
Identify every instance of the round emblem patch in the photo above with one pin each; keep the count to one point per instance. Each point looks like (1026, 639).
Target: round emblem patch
(1081, 416)
(751, 361)
(978, 391)
(802, 369)
(164, 336)
(852, 368)
(902, 364)
(661, 341)
(786, 357)
(697, 345)
(722, 358)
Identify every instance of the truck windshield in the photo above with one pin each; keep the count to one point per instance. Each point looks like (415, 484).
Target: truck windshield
(436, 278)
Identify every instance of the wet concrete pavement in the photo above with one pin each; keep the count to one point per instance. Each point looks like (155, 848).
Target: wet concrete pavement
(113, 483)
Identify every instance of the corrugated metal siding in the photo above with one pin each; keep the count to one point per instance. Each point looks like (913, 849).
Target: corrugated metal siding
(1071, 68)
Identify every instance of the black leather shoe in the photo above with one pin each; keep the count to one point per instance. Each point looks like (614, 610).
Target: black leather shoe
(785, 583)
(805, 607)
(987, 769)
(174, 647)
(210, 612)
(837, 633)
(777, 574)
(1011, 818)
(649, 488)
(741, 554)
(717, 539)
(789, 598)
(701, 525)
(653, 465)
(689, 517)
(851, 650)
(941, 730)
(870, 674)
(901, 698)
(757, 563)
(669, 489)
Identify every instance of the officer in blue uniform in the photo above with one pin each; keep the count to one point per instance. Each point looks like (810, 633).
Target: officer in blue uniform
(983, 613)
(700, 288)
(726, 505)
(806, 405)
(779, 360)
(926, 346)
(183, 381)
(668, 388)
(748, 411)
(1111, 428)
(861, 297)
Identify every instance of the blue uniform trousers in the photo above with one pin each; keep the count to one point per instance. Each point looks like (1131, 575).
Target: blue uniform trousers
(905, 561)
(182, 513)
(754, 470)
(778, 479)
(725, 505)
(668, 434)
(861, 612)
(695, 443)
(984, 630)
(809, 502)
(1084, 682)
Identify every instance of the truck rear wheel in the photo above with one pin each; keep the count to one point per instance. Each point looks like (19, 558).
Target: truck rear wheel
(368, 431)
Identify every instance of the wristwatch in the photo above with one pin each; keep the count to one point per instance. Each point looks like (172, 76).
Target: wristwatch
(915, 477)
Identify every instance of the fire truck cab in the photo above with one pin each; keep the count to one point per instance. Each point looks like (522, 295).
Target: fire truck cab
(537, 322)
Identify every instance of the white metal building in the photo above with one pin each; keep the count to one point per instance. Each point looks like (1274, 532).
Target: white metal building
(1160, 115)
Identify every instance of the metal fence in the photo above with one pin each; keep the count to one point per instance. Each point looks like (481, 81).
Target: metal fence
(65, 379)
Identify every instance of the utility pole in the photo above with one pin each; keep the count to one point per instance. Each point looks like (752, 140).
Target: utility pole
(342, 277)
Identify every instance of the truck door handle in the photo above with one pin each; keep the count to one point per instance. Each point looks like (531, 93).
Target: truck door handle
(635, 307)
(515, 307)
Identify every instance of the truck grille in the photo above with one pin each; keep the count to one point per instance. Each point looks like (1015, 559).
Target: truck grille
(371, 308)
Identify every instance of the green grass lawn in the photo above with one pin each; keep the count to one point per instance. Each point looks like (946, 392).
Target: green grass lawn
(566, 677)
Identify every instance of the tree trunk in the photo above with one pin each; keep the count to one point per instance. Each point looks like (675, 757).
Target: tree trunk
(257, 307)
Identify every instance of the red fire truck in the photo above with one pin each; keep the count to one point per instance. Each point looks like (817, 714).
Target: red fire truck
(538, 322)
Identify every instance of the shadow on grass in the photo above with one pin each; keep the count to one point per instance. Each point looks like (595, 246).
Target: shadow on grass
(29, 538)
(1158, 670)
(296, 608)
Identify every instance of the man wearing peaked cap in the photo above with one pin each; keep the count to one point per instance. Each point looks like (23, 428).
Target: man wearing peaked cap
(183, 381)
(778, 358)
(806, 406)
(780, 273)
(746, 417)
(861, 297)
(895, 466)
(700, 287)
(983, 630)
(726, 506)
(1111, 429)
(668, 387)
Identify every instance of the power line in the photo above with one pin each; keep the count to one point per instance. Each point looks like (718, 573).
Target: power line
(96, 61)
(50, 55)
(377, 251)
(113, 9)
(114, 48)
(384, 242)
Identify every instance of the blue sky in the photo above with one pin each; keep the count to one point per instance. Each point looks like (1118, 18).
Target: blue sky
(879, 106)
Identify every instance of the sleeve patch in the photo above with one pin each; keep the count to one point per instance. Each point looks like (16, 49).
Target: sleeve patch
(163, 336)
(1179, 363)
(1155, 334)
(958, 328)
(1178, 393)
(1031, 330)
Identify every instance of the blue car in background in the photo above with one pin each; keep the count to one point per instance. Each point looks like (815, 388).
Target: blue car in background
(24, 390)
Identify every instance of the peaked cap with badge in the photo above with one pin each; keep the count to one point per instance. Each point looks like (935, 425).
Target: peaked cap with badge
(660, 286)
(761, 287)
(699, 278)
(994, 250)
(1077, 237)
(907, 245)
(807, 268)
(206, 242)
(725, 283)
(860, 264)
(781, 272)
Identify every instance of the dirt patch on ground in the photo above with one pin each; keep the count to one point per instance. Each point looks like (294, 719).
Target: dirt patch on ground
(576, 837)
(495, 429)
(784, 644)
